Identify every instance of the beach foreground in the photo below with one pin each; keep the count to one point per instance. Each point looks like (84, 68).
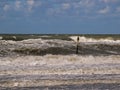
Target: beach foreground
(55, 72)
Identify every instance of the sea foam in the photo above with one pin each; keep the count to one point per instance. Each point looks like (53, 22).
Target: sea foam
(84, 39)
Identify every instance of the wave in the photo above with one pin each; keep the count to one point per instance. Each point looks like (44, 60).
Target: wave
(40, 46)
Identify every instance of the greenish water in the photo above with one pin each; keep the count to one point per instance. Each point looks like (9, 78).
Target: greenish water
(20, 37)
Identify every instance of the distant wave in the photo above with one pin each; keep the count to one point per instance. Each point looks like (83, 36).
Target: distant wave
(102, 40)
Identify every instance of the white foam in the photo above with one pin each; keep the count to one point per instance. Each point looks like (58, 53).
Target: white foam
(14, 37)
(84, 39)
(60, 65)
(46, 36)
(31, 41)
(1, 38)
(59, 60)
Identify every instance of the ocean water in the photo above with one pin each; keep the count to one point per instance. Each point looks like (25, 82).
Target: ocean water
(50, 62)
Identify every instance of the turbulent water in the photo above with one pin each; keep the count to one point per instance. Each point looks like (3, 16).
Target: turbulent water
(52, 64)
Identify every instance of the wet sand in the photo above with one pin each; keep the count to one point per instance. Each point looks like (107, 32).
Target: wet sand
(60, 82)
(99, 86)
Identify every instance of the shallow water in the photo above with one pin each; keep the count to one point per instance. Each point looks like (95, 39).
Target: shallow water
(59, 71)
(99, 86)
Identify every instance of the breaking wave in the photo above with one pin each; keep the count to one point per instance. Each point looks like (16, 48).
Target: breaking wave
(60, 64)
(87, 46)
(105, 40)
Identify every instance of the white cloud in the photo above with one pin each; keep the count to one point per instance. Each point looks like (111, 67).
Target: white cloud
(17, 5)
(84, 4)
(33, 3)
(30, 4)
(118, 9)
(66, 6)
(87, 3)
(6, 7)
(104, 10)
(59, 9)
(108, 1)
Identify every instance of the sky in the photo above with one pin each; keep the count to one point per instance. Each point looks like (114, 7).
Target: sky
(60, 16)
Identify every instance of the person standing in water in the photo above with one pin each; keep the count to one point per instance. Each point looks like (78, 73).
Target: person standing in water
(77, 45)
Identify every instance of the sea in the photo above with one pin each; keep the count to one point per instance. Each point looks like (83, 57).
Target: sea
(59, 62)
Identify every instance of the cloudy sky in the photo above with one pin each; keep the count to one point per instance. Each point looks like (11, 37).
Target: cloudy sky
(60, 16)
